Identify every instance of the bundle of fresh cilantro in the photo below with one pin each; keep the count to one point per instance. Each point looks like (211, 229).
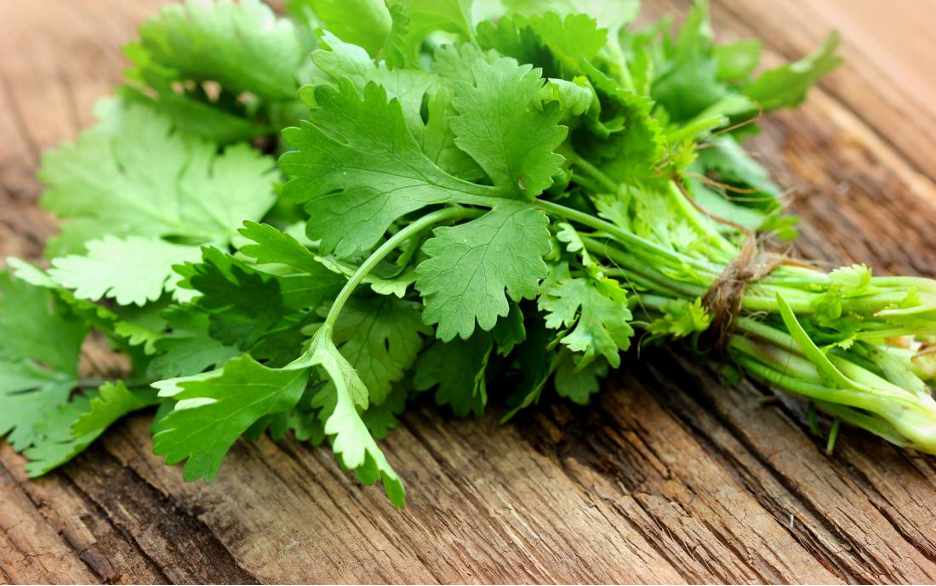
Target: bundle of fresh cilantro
(466, 201)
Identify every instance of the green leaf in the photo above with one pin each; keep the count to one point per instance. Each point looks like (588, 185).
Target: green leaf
(409, 86)
(380, 419)
(681, 317)
(365, 23)
(273, 246)
(414, 20)
(731, 163)
(350, 439)
(457, 368)
(497, 126)
(575, 383)
(509, 331)
(380, 337)
(736, 61)
(611, 15)
(112, 401)
(242, 303)
(53, 443)
(536, 362)
(131, 270)
(132, 175)
(188, 349)
(243, 46)
(213, 410)
(595, 311)
(396, 283)
(630, 155)
(470, 266)
(358, 169)
(36, 325)
(29, 395)
(574, 243)
(786, 86)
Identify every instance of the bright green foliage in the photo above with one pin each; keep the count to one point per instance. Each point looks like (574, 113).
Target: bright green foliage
(129, 270)
(132, 175)
(465, 209)
(28, 395)
(786, 86)
(681, 318)
(39, 345)
(350, 439)
(381, 419)
(242, 46)
(242, 302)
(414, 20)
(512, 142)
(595, 312)
(359, 169)
(457, 369)
(471, 265)
(36, 326)
(577, 383)
(380, 337)
(71, 427)
(189, 349)
(409, 86)
(365, 23)
(211, 412)
(220, 70)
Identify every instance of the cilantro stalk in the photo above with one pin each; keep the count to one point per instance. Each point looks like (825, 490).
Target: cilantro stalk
(409, 231)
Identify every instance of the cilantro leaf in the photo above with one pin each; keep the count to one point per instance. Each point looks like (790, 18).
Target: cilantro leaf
(132, 175)
(595, 311)
(786, 86)
(350, 439)
(213, 410)
(380, 419)
(35, 325)
(273, 246)
(629, 155)
(242, 303)
(188, 349)
(28, 395)
(414, 20)
(380, 337)
(409, 86)
(72, 427)
(537, 362)
(243, 46)
(575, 382)
(496, 125)
(132, 270)
(509, 331)
(365, 23)
(358, 169)
(457, 369)
(736, 61)
(470, 266)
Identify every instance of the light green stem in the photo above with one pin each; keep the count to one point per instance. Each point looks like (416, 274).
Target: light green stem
(378, 255)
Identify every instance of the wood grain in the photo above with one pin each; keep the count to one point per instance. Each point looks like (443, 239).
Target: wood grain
(668, 477)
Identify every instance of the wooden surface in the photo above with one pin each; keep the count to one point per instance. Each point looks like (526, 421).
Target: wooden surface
(668, 477)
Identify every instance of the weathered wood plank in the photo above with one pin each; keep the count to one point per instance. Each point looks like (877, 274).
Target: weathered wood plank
(668, 477)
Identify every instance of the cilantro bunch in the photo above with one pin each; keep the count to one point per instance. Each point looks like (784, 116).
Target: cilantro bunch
(462, 205)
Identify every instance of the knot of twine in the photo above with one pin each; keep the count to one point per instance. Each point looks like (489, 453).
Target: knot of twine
(723, 299)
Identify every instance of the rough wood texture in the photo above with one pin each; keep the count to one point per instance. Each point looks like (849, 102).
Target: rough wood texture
(668, 477)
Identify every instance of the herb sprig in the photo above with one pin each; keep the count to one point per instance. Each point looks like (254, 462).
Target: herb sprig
(465, 201)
